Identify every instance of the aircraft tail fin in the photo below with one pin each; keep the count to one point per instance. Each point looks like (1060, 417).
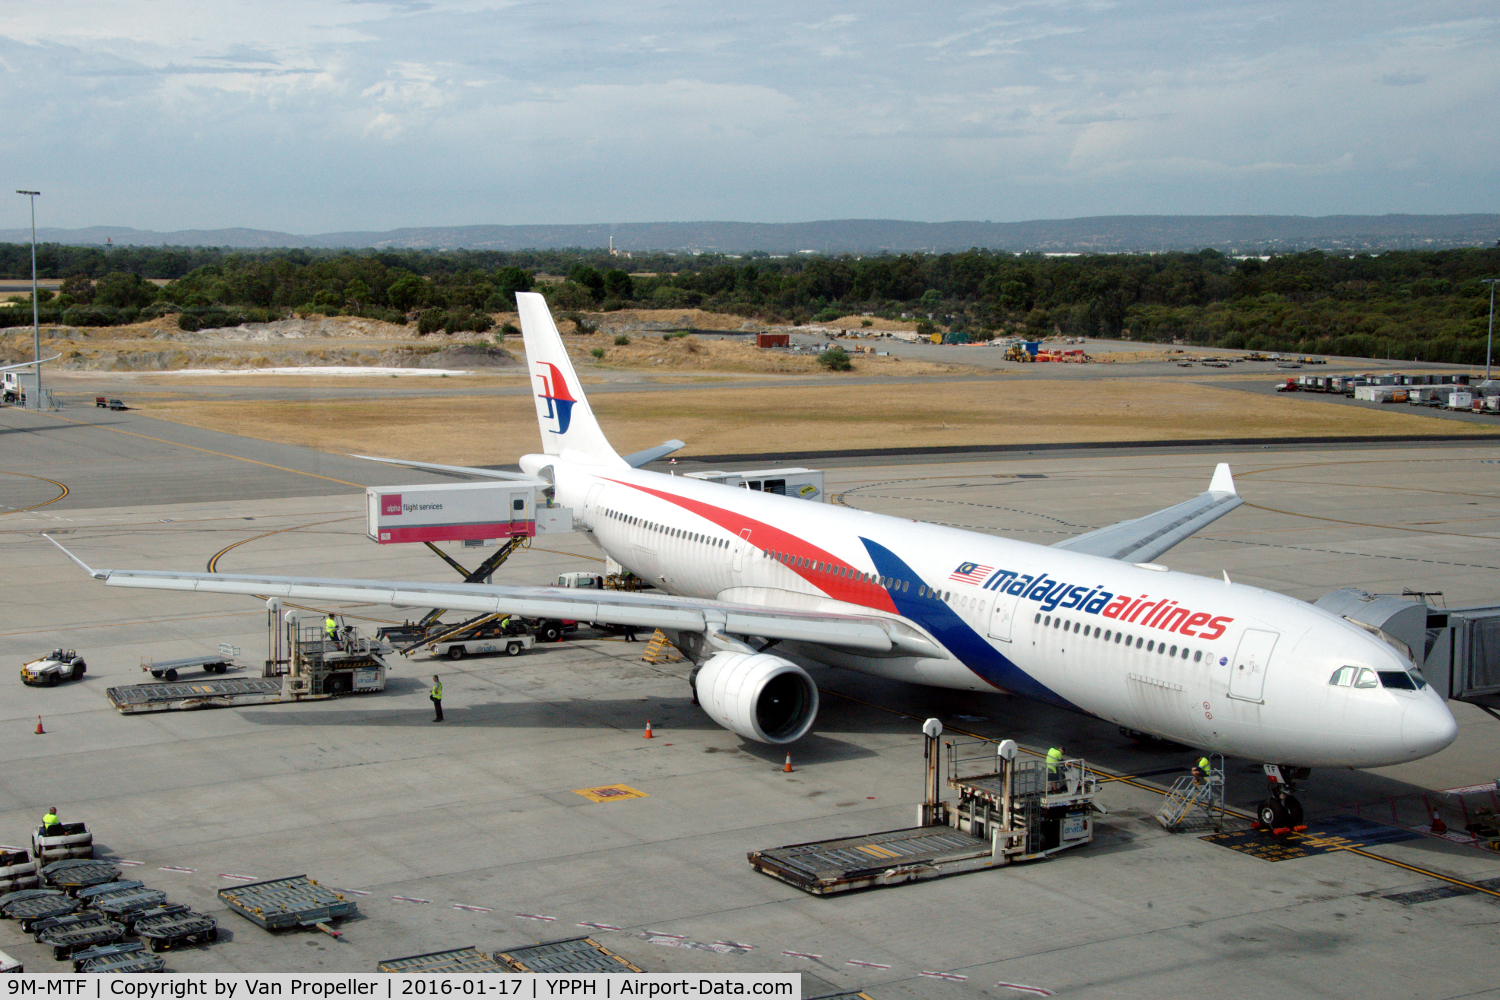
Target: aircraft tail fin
(562, 410)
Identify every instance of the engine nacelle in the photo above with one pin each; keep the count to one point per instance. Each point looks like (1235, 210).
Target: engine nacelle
(757, 696)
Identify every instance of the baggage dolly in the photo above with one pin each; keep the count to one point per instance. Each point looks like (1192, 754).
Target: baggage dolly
(166, 930)
(30, 905)
(76, 932)
(78, 873)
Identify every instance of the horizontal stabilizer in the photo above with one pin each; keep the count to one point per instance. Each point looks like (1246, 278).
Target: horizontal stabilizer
(517, 477)
(650, 455)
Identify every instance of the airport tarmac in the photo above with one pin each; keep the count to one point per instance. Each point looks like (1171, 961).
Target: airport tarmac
(471, 832)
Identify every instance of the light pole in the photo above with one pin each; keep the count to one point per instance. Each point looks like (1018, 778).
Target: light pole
(1490, 343)
(36, 328)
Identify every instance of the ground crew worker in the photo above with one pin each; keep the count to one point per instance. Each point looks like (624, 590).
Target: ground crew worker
(437, 698)
(1201, 771)
(1054, 767)
(630, 633)
(331, 628)
(50, 822)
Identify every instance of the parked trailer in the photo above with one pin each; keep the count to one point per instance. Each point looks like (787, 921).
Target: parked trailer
(79, 932)
(167, 930)
(30, 905)
(121, 956)
(279, 903)
(455, 960)
(567, 957)
(210, 664)
(18, 871)
(184, 695)
(78, 873)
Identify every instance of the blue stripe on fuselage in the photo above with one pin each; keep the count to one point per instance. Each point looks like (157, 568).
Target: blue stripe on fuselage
(971, 648)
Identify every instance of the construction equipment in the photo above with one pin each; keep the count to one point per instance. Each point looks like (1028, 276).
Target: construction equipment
(1195, 796)
(659, 649)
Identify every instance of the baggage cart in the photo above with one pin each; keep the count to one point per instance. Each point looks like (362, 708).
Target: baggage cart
(74, 874)
(166, 930)
(8, 964)
(79, 932)
(130, 905)
(456, 960)
(209, 663)
(279, 903)
(18, 871)
(123, 949)
(572, 955)
(127, 961)
(30, 905)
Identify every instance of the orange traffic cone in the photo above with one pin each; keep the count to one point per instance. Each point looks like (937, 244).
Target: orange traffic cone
(39, 730)
(787, 767)
(1438, 826)
(648, 735)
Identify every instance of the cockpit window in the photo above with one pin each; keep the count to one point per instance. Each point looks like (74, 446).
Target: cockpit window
(1343, 676)
(1399, 679)
(1366, 678)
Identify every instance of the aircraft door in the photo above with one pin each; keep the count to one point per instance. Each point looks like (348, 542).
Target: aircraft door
(741, 545)
(1004, 616)
(590, 503)
(1247, 671)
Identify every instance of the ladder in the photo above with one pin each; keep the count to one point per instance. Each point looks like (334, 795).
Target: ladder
(1189, 794)
(659, 649)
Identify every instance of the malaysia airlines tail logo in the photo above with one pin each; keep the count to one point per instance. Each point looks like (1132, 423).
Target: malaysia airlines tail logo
(559, 400)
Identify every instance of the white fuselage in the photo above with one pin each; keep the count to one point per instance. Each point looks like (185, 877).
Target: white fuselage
(1211, 664)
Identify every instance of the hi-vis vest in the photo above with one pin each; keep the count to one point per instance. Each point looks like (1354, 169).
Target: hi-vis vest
(437, 691)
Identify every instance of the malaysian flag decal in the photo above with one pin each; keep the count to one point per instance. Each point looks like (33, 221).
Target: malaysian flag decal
(970, 573)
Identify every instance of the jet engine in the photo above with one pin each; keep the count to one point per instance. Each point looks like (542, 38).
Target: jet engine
(757, 696)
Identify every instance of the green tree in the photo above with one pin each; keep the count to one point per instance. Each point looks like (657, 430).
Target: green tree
(407, 292)
(835, 359)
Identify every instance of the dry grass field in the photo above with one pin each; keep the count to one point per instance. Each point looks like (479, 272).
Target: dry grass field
(729, 419)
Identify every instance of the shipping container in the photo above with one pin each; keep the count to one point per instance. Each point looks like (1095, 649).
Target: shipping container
(450, 512)
(1461, 400)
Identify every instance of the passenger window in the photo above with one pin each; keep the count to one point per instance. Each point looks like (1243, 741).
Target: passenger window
(1106, 637)
(1174, 651)
(1138, 643)
(1342, 677)
(1366, 679)
(1047, 622)
(1151, 646)
(1198, 656)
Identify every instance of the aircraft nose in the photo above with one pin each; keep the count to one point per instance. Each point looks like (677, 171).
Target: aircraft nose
(1427, 726)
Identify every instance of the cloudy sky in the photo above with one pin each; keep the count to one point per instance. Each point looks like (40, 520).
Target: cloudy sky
(317, 116)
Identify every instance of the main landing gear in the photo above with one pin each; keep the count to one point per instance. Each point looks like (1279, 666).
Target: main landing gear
(1282, 812)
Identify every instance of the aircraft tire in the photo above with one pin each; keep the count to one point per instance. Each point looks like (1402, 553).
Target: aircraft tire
(1293, 810)
(1272, 815)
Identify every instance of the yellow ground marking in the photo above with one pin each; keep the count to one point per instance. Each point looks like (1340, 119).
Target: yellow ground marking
(44, 503)
(877, 851)
(610, 793)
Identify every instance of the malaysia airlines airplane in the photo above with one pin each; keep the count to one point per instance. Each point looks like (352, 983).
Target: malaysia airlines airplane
(1089, 624)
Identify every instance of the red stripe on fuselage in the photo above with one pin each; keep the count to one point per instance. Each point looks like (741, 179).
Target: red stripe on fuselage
(850, 588)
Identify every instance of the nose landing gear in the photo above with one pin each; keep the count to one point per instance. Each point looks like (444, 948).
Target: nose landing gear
(1282, 812)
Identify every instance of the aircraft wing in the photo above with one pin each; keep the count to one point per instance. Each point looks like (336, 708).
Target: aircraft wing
(610, 607)
(1142, 539)
(28, 364)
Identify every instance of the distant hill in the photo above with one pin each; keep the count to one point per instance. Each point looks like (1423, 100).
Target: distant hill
(1109, 233)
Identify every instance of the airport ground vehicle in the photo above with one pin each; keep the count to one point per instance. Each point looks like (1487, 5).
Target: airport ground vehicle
(483, 640)
(50, 670)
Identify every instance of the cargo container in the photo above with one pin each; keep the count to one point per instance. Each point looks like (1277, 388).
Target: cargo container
(1461, 400)
(450, 512)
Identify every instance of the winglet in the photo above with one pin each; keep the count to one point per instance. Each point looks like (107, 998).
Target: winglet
(97, 574)
(1223, 481)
